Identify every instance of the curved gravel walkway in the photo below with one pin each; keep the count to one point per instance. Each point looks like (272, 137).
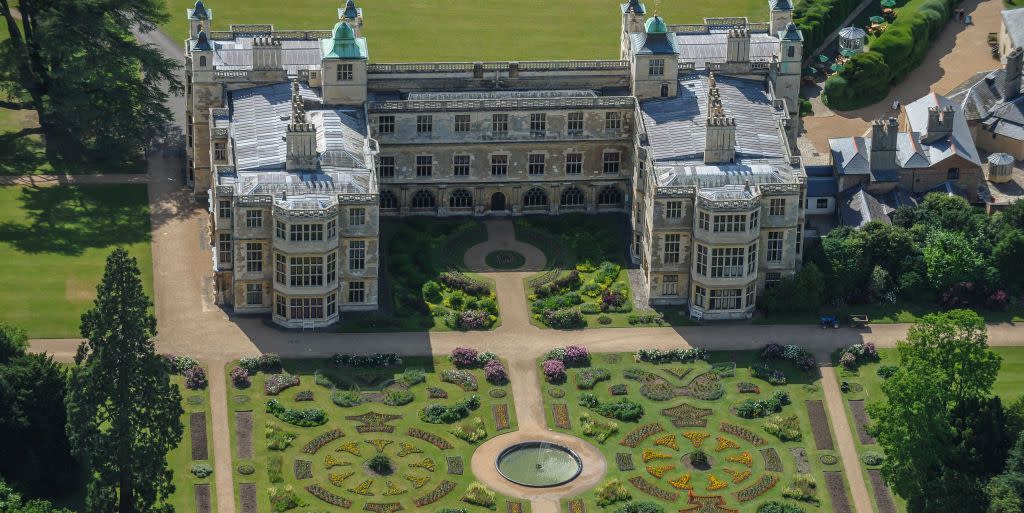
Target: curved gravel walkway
(501, 234)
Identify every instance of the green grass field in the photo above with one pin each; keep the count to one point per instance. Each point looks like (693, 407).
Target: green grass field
(349, 468)
(54, 242)
(801, 387)
(444, 30)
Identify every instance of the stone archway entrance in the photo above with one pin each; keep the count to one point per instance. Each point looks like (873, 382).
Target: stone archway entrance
(498, 202)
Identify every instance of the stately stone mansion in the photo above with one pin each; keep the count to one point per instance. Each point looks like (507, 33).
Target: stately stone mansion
(301, 145)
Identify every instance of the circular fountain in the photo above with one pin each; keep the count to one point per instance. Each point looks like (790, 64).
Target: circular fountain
(538, 464)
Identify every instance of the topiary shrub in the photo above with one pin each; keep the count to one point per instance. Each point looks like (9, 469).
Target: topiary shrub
(380, 464)
(611, 492)
(201, 470)
(872, 458)
(699, 458)
(250, 364)
(246, 469)
(432, 292)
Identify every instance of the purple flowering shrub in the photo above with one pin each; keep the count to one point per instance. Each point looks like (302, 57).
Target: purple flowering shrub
(464, 357)
(576, 356)
(848, 361)
(495, 373)
(472, 320)
(612, 299)
(195, 378)
(240, 377)
(554, 371)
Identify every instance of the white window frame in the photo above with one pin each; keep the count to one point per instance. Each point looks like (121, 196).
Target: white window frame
(254, 294)
(306, 271)
(225, 248)
(356, 292)
(460, 165)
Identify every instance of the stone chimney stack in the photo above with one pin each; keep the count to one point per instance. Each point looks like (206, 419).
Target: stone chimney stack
(883, 143)
(940, 124)
(301, 136)
(738, 45)
(266, 53)
(1011, 81)
(720, 138)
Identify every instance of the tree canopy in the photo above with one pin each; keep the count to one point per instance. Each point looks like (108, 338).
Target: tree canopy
(123, 411)
(99, 93)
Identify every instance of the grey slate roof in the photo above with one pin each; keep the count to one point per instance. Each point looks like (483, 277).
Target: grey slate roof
(982, 99)
(534, 93)
(713, 47)
(676, 128)
(818, 171)
(858, 207)
(821, 187)
(1013, 19)
(851, 155)
(259, 120)
(960, 143)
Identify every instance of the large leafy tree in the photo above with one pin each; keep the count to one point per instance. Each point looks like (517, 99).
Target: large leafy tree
(951, 258)
(1006, 491)
(13, 341)
(32, 438)
(945, 374)
(123, 410)
(12, 502)
(96, 89)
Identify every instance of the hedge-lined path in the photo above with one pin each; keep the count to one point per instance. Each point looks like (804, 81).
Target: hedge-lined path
(501, 235)
(958, 53)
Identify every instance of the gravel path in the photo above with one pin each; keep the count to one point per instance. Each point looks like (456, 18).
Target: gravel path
(844, 440)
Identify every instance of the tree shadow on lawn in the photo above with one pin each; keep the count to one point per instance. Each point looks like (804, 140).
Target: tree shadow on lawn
(71, 219)
(368, 378)
(21, 154)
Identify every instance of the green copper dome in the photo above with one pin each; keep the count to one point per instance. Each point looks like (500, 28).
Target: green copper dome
(343, 44)
(655, 25)
(343, 32)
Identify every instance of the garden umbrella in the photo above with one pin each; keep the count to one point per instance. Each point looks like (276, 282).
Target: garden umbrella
(876, 19)
(848, 52)
(810, 71)
(888, 3)
(822, 58)
(836, 67)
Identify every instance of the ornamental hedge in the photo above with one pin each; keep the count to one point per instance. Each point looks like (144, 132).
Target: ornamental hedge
(819, 18)
(892, 55)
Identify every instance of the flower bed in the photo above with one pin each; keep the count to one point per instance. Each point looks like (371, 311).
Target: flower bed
(460, 377)
(618, 389)
(407, 449)
(454, 464)
(671, 355)
(323, 494)
(624, 461)
(638, 435)
(772, 461)
(279, 382)
(743, 433)
(500, 413)
(367, 361)
(390, 507)
(587, 378)
(577, 506)
(560, 412)
(458, 281)
(746, 387)
(696, 438)
(667, 441)
(197, 433)
(436, 393)
(764, 483)
(303, 469)
(685, 415)
(297, 417)
(373, 422)
(644, 486)
(444, 488)
(444, 414)
(430, 438)
(819, 426)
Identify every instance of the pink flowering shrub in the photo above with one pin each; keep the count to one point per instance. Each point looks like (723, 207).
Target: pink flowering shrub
(495, 373)
(195, 378)
(576, 356)
(848, 361)
(554, 371)
(240, 377)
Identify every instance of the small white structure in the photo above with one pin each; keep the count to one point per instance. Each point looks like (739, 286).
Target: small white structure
(852, 38)
(1000, 167)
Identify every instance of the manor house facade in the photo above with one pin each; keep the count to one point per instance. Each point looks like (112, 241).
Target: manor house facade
(302, 145)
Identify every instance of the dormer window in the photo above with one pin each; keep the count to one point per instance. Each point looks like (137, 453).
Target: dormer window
(345, 72)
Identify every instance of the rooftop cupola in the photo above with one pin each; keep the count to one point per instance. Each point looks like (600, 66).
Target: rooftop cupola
(655, 25)
(353, 16)
(343, 44)
(792, 33)
(350, 12)
(720, 139)
(202, 43)
(197, 16)
(300, 136)
(634, 6)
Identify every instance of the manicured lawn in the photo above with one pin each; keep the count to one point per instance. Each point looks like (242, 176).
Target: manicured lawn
(801, 387)
(180, 459)
(54, 242)
(885, 313)
(350, 453)
(442, 30)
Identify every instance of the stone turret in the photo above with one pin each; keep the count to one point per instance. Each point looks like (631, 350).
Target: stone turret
(1011, 80)
(632, 22)
(780, 13)
(266, 53)
(720, 139)
(883, 144)
(344, 58)
(300, 137)
(198, 17)
(655, 70)
(353, 16)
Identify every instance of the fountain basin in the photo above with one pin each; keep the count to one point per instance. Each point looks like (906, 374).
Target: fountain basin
(538, 464)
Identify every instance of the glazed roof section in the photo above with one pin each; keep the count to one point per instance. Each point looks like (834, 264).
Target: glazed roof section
(259, 118)
(676, 129)
(296, 54)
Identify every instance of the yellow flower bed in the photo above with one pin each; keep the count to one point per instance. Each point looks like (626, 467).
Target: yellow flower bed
(667, 441)
(682, 482)
(743, 457)
(696, 438)
(714, 483)
(659, 470)
(725, 443)
(649, 455)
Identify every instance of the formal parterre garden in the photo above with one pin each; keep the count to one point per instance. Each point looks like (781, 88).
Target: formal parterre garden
(426, 287)
(585, 285)
(192, 460)
(377, 433)
(690, 430)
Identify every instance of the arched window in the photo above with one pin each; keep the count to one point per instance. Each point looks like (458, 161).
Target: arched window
(202, 61)
(610, 195)
(423, 199)
(460, 198)
(388, 199)
(572, 197)
(535, 197)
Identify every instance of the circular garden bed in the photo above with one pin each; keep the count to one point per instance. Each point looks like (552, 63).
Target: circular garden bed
(505, 259)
